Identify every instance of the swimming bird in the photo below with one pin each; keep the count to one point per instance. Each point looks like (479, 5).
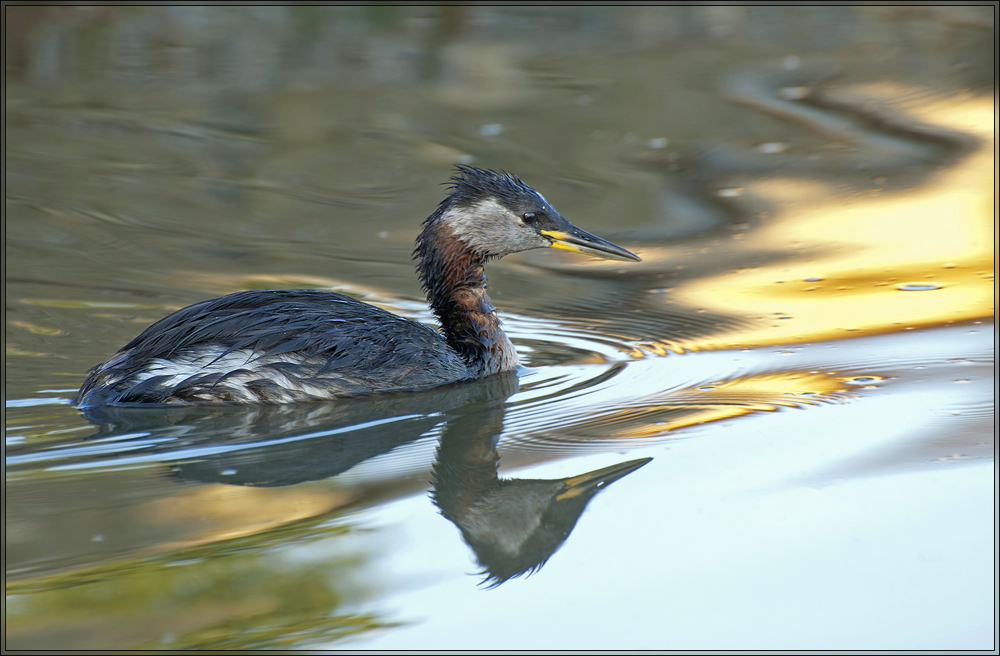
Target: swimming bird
(290, 346)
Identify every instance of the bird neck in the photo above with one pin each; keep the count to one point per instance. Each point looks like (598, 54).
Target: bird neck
(453, 276)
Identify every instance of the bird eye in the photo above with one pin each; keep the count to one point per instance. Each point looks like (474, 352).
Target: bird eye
(529, 217)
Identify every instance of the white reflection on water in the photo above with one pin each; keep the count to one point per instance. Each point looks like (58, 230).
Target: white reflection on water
(846, 566)
(825, 528)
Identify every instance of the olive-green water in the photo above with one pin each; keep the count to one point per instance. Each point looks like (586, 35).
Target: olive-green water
(789, 403)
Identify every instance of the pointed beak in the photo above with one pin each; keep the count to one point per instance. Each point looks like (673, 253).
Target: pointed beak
(574, 240)
(591, 482)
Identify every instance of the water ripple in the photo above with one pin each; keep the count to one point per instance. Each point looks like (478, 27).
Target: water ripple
(579, 389)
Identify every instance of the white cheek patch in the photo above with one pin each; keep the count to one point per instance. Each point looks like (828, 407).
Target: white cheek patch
(491, 228)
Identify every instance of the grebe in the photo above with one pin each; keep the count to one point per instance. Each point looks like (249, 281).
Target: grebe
(307, 345)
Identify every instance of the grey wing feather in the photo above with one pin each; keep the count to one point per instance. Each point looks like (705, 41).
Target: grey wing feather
(319, 344)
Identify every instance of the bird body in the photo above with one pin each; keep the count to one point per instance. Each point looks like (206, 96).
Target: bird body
(307, 345)
(274, 347)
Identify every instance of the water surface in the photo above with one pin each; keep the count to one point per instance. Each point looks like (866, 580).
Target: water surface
(789, 404)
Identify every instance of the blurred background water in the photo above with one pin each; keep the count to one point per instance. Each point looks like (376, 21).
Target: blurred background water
(791, 399)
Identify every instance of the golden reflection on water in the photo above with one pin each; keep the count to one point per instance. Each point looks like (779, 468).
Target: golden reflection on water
(860, 255)
(224, 512)
(730, 398)
(197, 597)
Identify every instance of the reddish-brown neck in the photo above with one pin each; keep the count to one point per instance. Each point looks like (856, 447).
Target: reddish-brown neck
(452, 275)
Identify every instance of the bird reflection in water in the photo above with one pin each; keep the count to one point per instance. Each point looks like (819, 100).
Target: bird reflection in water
(512, 525)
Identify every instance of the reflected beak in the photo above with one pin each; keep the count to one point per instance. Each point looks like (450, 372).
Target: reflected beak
(591, 482)
(575, 240)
